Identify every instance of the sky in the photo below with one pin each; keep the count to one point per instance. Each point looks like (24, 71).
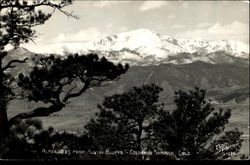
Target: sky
(208, 20)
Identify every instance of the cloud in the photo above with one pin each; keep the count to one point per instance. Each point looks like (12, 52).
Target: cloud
(151, 5)
(171, 16)
(233, 31)
(234, 28)
(80, 36)
(178, 26)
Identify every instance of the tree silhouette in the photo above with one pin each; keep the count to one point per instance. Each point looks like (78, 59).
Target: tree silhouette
(54, 81)
(194, 130)
(17, 22)
(123, 120)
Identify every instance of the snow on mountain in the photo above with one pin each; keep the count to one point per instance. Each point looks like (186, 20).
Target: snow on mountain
(192, 46)
(145, 47)
(236, 48)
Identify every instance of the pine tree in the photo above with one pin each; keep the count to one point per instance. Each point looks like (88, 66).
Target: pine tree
(54, 81)
(195, 129)
(123, 121)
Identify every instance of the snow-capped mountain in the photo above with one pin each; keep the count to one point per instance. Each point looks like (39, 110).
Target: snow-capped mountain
(145, 47)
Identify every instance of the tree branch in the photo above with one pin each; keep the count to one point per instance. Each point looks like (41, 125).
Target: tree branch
(70, 90)
(38, 112)
(13, 61)
(85, 87)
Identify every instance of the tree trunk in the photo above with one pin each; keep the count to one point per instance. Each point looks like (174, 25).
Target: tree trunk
(3, 106)
(3, 121)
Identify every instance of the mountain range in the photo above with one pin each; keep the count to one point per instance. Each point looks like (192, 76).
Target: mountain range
(221, 67)
(144, 47)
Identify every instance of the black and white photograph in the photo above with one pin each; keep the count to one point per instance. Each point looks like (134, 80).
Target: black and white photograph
(124, 80)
